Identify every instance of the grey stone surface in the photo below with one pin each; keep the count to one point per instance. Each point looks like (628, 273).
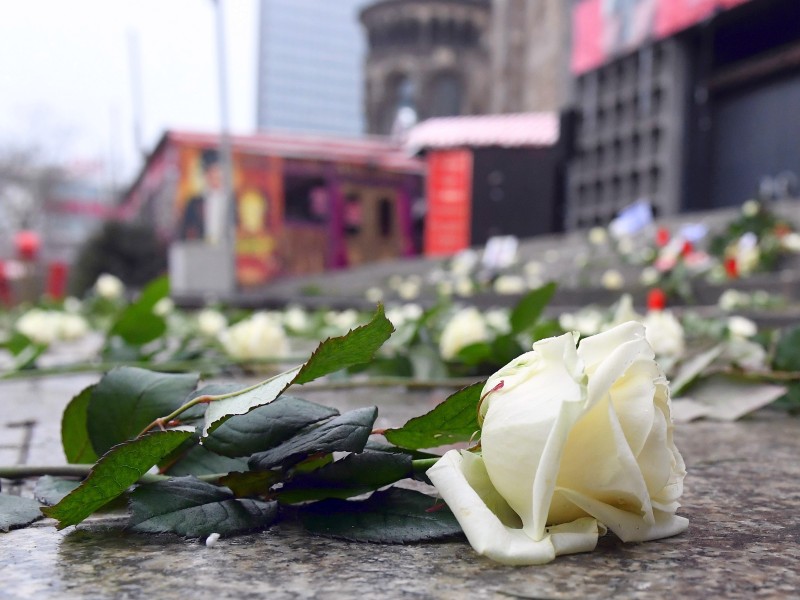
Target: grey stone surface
(742, 498)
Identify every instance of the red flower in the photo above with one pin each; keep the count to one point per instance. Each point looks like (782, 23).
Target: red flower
(687, 249)
(731, 268)
(662, 237)
(656, 299)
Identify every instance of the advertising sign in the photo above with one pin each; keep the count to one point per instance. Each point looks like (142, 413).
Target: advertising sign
(202, 214)
(449, 192)
(603, 29)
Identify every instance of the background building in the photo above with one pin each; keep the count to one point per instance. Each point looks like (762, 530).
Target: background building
(529, 44)
(689, 104)
(311, 55)
(427, 58)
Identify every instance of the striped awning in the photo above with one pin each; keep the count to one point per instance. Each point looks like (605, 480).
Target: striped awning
(510, 131)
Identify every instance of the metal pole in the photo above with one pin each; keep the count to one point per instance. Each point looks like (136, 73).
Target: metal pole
(226, 152)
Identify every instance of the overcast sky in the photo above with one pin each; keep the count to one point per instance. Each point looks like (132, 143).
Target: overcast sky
(65, 76)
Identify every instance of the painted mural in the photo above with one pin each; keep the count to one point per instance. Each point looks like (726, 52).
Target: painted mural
(202, 211)
(604, 29)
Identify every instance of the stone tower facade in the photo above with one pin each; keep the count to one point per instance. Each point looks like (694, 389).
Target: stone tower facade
(426, 58)
(530, 50)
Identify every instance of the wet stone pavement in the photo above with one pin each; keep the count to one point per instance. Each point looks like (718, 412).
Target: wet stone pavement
(742, 498)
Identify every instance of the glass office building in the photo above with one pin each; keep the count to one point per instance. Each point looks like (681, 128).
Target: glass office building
(311, 60)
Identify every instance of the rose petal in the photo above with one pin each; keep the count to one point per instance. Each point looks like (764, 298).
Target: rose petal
(485, 531)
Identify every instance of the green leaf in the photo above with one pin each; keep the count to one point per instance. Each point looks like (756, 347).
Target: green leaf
(334, 354)
(242, 402)
(787, 351)
(346, 433)
(351, 476)
(528, 310)
(454, 420)
(199, 460)
(250, 483)
(505, 348)
(117, 470)
(136, 324)
(24, 350)
(74, 434)
(193, 508)
(356, 347)
(394, 516)
(127, 399)
(16, 512)
(266, 426)
(475, 354)
(50, 490)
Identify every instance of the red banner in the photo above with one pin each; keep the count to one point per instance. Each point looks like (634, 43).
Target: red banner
(603, 29)
(449, 192)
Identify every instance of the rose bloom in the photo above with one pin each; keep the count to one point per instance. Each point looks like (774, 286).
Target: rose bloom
(260, 336)
(665, 333)
(211, 322)
(109, 287)
(40, 326)
(466, 327)
(612, 280)
(509, 284)
(574, 441)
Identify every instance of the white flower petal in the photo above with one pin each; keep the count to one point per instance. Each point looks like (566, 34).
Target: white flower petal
(486, 532)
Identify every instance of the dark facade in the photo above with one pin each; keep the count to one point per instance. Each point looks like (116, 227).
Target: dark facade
(703, 118)
(426, 58)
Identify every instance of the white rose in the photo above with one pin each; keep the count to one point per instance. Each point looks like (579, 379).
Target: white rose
(464, 287)
(342, 321)
(211, 322)
(664, 333)
(625, 311)
(374, 294)
(649, 276)
(499, 319)
(598, 236)
(163, 307)
(40, 326)
(731, 299)
(466, 327)
(109, 287)
(72, 327)
(791, 242)
(296, 319)
(612, 280)
(509, 284)
(574, 442)
(258, 337)
(741, 327)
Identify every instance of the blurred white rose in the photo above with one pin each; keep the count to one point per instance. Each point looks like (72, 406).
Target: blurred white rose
(342, 321)
(612, 280)
(109, 287)
(296, 319)
(750, 208)
(464, 287)
(72, 305)
(598, 236)
(211, 322)
(573, 442)
(741, 327)
(257, 337)
(649, 276)
(791, 242)
(374, 294)
(624, 311)
(499, 320)
(465, 327)
(509, 284)
(40, 326)
(409, 289)
(73, 327)
(664, 333)
(164, 307)
(587, 321)
(731, 299)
